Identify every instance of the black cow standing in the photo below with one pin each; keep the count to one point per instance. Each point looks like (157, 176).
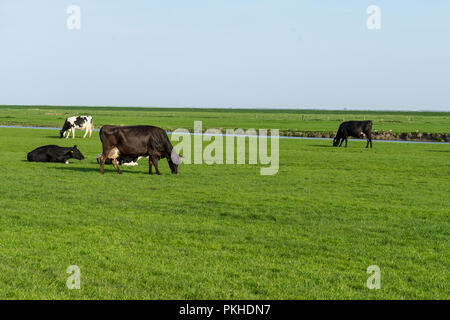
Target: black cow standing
(356, 129)
(52, 153)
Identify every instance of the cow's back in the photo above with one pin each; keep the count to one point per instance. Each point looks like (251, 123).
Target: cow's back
(135, 140)
(42, 153)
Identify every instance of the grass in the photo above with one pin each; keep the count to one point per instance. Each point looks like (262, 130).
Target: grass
(285, 120)
(225, 231)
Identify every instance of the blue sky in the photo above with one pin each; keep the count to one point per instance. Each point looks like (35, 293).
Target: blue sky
(233, 53)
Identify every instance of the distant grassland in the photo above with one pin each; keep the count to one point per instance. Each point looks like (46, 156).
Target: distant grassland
(285, 120)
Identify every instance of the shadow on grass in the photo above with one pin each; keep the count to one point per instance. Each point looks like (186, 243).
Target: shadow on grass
(96, 170)
(321, 146)
(57, 137)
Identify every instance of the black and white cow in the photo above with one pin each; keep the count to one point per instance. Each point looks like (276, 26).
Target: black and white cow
(52, 153)
(77, 122)
(122, 160)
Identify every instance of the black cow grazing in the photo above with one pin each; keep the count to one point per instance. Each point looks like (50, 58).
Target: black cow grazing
(79, 123)
(122, 160)
(137, 141)
(54, 153)
(356, 129)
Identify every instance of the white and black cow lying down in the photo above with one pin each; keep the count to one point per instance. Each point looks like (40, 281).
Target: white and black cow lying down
(122, 160)
(52, 153)
(79, 123)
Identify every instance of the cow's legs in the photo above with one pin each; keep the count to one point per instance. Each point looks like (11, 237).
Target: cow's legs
(150, 165)
(111, 154)
(116, 166)
(342, 141)
(369, 139)
(155, 163)
(73, 133)
(102, 163)
(346, 142)
(90, 131)
(86, 132)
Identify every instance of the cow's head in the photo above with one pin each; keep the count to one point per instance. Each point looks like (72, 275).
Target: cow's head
(67, 125)
(75, 153)
(335, 141)
(175, 160)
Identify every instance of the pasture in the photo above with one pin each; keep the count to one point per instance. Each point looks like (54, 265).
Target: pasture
(224, 231)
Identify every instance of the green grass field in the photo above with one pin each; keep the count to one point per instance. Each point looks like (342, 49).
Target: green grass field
(285, 120)
(225, 231)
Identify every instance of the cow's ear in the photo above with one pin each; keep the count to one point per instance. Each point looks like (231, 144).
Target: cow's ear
(74, 147)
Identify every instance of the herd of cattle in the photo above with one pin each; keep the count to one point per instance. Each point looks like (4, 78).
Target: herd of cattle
(125, 145)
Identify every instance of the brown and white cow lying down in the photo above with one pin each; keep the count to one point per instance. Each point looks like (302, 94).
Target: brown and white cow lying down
(122, 160)
(137, 141)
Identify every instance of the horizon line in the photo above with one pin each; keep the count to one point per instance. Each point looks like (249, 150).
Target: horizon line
(374, 109)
